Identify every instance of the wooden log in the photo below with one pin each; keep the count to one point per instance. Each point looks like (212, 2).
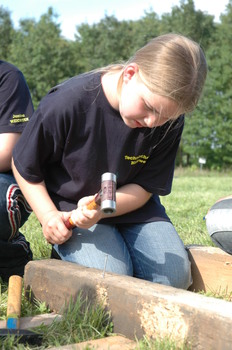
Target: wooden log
(35, 321)
(138, 307)
(109, 343)
(211, 270)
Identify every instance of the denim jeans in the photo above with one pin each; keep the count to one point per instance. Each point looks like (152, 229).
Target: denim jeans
(14, 210)
(150, 251)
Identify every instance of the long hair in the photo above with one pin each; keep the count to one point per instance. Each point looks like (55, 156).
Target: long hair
(173, 66)
(170, 65)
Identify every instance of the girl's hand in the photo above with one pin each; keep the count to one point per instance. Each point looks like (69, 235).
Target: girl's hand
(84, 217)
(53, 226)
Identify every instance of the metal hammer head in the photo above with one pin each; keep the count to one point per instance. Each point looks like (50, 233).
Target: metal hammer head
(105, 198)
(107, 195)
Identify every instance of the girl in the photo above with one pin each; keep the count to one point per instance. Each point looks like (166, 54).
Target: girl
(128, 120)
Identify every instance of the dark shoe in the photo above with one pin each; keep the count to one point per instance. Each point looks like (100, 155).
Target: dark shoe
(14, 256)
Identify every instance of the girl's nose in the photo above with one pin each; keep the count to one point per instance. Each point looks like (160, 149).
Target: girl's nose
(150, 121)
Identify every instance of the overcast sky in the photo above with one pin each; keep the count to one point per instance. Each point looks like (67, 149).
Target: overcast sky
(75, 12)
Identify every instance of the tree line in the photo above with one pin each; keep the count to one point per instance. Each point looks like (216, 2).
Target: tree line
(47, 58)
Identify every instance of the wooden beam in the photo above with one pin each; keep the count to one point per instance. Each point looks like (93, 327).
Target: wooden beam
(138, 307)
(211, 270)
(35, 321)
(109, 343)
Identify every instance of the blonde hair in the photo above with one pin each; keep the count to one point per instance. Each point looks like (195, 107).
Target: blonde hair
(173, 66)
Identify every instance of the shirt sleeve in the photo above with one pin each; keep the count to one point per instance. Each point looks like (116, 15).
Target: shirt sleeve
(16, 106)
(33, 159)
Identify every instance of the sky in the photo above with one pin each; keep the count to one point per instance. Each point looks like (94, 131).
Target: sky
(75, 12)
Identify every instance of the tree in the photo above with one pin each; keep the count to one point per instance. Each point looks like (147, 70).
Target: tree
(190, 22)
(42, 54)
(212, 127)
(106, 42)
(145, 29)
(6, 33)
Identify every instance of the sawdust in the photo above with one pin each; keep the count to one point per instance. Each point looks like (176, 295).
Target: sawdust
(163, 320)
(102, 295)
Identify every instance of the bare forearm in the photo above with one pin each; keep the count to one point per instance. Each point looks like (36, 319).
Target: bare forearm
(129, 198)
(51, 219)
(7, 143)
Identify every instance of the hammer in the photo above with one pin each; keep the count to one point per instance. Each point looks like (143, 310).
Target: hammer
(13, 314)
(106, 197)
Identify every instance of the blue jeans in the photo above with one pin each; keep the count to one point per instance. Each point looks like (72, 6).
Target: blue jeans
(14, 210)
(150, 251)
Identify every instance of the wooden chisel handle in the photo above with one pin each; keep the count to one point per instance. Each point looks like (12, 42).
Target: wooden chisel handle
(14, 301)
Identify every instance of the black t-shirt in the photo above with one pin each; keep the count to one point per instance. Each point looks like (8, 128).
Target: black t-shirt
(15, 100)
(76, 136)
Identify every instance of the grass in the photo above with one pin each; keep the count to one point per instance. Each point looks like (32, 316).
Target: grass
(81, 320)
(193, 193)
(33, 233)
(161, 344)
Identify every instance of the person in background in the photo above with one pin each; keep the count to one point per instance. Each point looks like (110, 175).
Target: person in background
(15, 110)
(126, 119)
(219, 223)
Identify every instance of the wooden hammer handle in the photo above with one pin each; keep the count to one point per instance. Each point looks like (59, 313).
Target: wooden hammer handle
(92, 205)
(14, 301)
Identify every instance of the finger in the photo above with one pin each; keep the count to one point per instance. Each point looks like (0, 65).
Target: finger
(56, 236)
(53, 239)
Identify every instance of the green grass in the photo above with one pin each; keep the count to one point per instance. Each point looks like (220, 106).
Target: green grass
(81, 321)
(161, 344)
(33, 233)
(193, 193)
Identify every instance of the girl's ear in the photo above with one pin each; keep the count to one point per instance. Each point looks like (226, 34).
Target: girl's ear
(130, 71)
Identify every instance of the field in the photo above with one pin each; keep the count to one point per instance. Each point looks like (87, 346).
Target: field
(193, 193)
